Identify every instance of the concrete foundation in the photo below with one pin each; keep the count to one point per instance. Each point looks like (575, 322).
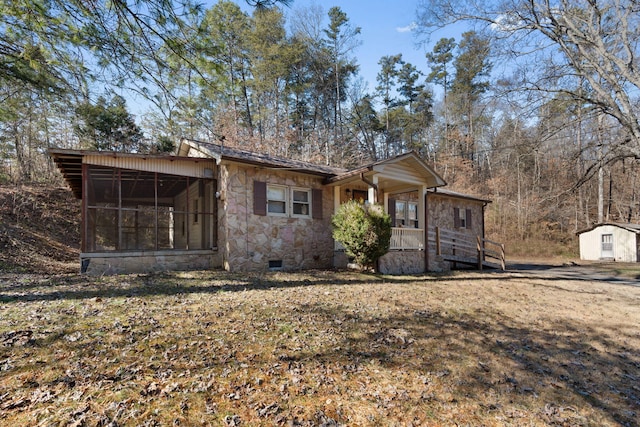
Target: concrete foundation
(148, 261)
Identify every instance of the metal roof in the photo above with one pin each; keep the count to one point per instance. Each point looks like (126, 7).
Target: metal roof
(456, 195)
(634, 228)
(70, 163)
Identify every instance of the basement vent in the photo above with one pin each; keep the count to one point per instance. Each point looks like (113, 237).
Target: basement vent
(275, 264)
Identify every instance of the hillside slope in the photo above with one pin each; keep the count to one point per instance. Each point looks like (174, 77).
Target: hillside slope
(39, 229)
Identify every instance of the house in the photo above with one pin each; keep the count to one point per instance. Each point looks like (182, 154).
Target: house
(210, 206)
(611, 241)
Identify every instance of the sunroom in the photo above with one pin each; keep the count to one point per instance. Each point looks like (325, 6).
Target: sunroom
(139, 211)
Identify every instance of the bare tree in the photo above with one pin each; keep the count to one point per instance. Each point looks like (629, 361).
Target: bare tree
(555, 45)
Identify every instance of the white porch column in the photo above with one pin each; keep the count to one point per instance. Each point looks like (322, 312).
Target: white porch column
(336, 198)
(372, 190)
(385, 204)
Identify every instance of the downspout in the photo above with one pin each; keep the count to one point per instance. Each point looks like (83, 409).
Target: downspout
(370, 184)
(484, 205)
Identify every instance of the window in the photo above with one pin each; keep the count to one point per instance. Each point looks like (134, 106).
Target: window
(401, 215)
(275, 264)
(282, 200)
(301, 201)
(607, 246)
(462, 218)
(412, 215)
(276, 200)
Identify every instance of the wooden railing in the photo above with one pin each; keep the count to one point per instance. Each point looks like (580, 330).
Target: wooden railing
(407, 238)
(462, 247)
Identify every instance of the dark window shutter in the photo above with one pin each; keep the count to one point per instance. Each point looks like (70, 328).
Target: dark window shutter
(392, 211)
(456, 217)
(316, 203)
(468, 214)
(259, 198)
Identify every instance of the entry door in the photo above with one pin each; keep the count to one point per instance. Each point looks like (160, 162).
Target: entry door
(607, 246)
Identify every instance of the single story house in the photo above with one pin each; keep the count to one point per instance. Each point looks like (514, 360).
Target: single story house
(611, 241)
(210, 206)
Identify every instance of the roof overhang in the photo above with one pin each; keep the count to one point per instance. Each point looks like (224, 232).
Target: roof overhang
(394, 175)
(192, 148)
(633, 228)
(456, 195)
(70, 162)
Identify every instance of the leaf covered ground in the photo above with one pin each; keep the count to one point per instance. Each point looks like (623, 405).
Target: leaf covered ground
(317, 348)
(39, 229)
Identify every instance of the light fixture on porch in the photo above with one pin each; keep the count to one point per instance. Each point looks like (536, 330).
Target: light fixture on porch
(348, 192)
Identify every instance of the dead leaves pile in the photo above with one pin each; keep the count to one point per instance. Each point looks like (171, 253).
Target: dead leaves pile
(319, 349)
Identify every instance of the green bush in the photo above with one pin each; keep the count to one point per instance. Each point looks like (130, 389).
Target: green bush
(363, 230)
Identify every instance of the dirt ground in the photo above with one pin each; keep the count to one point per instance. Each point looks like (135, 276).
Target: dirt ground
(538, 346)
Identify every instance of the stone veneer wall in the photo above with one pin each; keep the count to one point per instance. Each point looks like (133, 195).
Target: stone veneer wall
(441, 214)
(148, 262)
(402, 262)
(248, 242)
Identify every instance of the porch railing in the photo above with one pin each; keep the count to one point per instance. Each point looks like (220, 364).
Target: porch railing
(407, 238)
(461, 247)
(401, 239)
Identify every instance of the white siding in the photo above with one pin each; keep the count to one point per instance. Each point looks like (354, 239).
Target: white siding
(625, 247)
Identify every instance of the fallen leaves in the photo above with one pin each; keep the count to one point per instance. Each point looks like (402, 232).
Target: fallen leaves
(212, 348)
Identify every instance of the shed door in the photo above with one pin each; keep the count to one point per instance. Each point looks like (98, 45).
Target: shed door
(607, 246)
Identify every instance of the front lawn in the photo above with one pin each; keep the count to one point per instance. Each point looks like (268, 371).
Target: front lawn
(317, 348)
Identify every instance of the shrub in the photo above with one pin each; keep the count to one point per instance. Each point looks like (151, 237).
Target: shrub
(363, 230)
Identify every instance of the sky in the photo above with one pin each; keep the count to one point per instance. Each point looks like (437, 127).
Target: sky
(386, 29)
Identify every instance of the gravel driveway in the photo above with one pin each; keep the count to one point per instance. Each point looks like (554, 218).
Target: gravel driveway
(591, 272)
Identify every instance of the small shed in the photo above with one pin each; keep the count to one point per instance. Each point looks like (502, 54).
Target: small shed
(611, 241)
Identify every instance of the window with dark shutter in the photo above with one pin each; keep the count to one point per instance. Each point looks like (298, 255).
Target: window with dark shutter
(456, 217)
(259, 198)
(316, 203)
(468, 224)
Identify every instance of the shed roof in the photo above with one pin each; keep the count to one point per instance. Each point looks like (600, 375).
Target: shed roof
(634, 228)
(70, 163)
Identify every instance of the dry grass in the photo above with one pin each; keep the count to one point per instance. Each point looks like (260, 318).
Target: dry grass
(318, 348)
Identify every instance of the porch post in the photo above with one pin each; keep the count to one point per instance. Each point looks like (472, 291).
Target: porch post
(373, 190)
(84, 232)
(385, 204)
(336, 198)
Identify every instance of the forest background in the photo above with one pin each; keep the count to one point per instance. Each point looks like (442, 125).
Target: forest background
(534, 107)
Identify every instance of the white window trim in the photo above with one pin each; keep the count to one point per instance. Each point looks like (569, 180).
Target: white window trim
(412, 222)
(401, 214)
(286, 202)
(309, 198)
(462, 218)
(289, 201)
